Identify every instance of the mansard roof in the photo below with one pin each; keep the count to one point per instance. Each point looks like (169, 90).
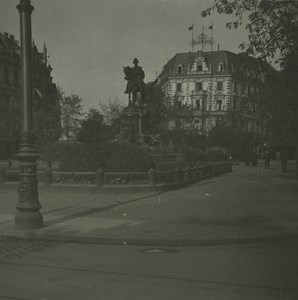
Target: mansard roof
(241, 62)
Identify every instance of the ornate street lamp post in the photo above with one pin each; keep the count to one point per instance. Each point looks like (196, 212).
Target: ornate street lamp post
(28, 205)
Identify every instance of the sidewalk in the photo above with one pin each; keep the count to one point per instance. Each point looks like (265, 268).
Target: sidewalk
(248, 205)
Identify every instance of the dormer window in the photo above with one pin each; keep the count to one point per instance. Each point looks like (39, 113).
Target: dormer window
(220, 67)
(180, 69)
(199, 67)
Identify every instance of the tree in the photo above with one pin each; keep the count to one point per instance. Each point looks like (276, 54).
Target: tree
(280, 107)
(272, 31)
(71, 114)
(93, 129)
(47, 117)
(110, 111)
(272, 24)
(156, 108)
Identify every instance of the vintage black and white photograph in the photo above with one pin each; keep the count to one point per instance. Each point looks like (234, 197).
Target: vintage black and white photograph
(149, 149)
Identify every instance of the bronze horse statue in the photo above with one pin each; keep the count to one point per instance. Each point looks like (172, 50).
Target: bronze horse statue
(135, 87)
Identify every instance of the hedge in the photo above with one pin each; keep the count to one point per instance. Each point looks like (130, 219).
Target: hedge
(112, 157)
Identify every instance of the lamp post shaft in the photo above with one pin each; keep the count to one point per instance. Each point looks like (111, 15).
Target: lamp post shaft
(26, 59)
(28, 205)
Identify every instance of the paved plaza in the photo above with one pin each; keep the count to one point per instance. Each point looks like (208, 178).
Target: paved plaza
(234, 236)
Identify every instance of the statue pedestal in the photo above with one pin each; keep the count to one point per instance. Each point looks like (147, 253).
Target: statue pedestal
(131, 125)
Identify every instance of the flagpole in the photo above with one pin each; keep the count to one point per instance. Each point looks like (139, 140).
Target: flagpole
(203, 38)
(191, 28)
(192, 39)
(212, 37)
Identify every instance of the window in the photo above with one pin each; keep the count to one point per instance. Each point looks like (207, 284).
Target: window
(179, 69)
(243, 89)
(16, 78)
(219, 104)
(219, 85)
(220, 67)
(233, 68)
(6, 76)
(7, 101)
(199, 67)
(197, 104)
(235, 87)
(252, 90)
(199, 86)
(234, 103)
(179, 87)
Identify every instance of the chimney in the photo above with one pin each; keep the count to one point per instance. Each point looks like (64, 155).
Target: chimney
(5, 35)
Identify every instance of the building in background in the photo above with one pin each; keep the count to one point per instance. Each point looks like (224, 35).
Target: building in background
(213, 83)
(46, 101)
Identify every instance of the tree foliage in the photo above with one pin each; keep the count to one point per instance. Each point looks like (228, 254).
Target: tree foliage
(156, 108)
(93, 129)
(272, 24)
(272, 31)
(71, 114)
(47, 119)
(110, 111)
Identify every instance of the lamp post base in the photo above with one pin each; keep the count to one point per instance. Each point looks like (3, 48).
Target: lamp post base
(28, 220)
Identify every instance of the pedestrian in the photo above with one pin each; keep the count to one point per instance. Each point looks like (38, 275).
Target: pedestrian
(267, 159)
(284, 157)
(254, 158)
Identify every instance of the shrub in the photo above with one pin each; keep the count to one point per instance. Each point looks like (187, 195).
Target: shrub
(56, 150)
(122, 157)
(214, 154)
(112, 157)
(81, 159)
(211, 154)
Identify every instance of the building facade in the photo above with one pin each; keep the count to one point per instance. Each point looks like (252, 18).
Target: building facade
(45, 98)
(213, 83)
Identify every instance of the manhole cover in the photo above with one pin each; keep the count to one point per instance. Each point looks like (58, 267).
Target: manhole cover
(157, 250)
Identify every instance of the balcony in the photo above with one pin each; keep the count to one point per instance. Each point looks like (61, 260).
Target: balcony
(198, 94)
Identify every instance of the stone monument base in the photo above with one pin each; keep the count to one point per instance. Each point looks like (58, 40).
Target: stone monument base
(131, 125)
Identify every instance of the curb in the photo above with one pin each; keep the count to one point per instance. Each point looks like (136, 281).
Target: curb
(147, 242)
(92, 189)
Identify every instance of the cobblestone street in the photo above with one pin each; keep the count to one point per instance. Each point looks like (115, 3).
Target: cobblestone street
(12, 249)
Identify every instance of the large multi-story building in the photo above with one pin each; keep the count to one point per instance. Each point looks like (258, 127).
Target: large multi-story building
(45, 92)
(212, 83)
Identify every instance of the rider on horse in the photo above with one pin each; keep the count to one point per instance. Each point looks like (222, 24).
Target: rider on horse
(136, 83)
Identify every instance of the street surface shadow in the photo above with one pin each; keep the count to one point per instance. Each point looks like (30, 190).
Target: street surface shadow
(241, 221)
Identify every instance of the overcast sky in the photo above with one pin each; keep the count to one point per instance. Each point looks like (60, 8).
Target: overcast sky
(90, 40)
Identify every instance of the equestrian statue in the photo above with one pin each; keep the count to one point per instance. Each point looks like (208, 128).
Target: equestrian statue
(135, 87)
